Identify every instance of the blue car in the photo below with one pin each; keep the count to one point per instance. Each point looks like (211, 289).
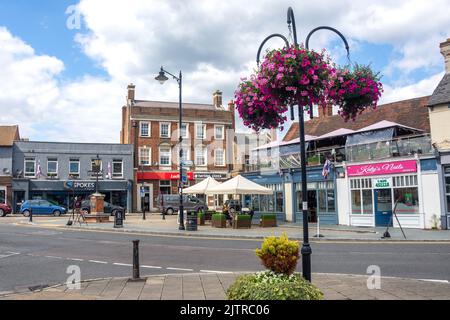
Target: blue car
(41, 207)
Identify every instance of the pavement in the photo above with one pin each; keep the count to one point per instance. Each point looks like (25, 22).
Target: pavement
(154, 224)
(214, 287)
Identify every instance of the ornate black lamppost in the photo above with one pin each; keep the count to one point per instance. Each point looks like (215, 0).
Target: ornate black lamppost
(162, 78)
(306, 248)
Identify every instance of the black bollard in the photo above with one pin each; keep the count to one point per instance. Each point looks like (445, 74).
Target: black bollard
(31, 214)
(136, 260)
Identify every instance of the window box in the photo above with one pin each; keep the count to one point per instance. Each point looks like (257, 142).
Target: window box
(242, 221)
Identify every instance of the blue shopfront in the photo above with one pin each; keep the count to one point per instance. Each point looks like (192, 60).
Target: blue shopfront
(286, 201)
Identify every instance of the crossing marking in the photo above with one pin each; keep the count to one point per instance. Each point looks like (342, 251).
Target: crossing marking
(213, 271)
(8, 254)
(151, 267)
(123, 264)
(100, 262)
(179, 269)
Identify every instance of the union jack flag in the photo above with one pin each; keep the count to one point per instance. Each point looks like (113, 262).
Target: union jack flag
(326, 169)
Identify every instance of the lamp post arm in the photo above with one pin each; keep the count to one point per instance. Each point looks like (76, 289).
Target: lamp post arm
(173, 76)
(347, 47)
(291, 20)
(258, 57)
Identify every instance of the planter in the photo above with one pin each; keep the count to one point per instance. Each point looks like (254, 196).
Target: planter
(208, 215)
(201, 220)
(242, 222)
(222, 223)
(268, 223)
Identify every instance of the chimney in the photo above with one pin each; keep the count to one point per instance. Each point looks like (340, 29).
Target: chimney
(217, 100)
(325, 111)
(445, 51)
(131, 90)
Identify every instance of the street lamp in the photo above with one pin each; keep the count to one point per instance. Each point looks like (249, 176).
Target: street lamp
(306, 248)
(162, 78)
(97, 168)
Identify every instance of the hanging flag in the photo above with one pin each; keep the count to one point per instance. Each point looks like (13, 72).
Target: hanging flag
(109, 171)
(38, 170)
(326, 169)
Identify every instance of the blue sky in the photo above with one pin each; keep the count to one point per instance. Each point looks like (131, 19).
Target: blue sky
(59, 78)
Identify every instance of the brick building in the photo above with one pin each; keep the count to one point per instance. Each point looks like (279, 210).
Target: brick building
(152, 126)
(8, 134)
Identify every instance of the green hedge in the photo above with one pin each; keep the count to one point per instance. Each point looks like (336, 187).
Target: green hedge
(218, 216)
(271, 286)
(268, 216)
(201, 215)
(243, 217)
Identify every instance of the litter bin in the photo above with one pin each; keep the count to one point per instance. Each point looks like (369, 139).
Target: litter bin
(191, 222)
(119, 216)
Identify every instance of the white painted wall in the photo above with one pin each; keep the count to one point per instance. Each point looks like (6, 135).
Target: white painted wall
(431, 200)
(289, 201)
(343, 201)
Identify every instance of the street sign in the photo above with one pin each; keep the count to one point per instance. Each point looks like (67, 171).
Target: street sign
(187, 163)
(184, 179)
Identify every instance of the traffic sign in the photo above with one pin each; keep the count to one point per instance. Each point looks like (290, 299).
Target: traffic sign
(187, 163)
(184, 179)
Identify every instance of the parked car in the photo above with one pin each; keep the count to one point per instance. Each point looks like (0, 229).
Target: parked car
(4, 210)
(170, 204)
(231, 206)
(41, 207)
(108, 207)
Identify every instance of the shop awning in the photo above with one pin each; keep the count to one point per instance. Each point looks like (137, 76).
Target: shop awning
(202, 187)
(240, 185)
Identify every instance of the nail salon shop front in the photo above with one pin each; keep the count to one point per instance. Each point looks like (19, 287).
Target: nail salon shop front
(374, 190)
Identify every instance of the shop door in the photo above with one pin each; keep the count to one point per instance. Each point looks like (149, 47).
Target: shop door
(312, 206)
(19, 198)
(383, 207)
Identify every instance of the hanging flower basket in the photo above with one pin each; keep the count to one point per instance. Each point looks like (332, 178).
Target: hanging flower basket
(295, 75)
(256, 107)
(355, 90)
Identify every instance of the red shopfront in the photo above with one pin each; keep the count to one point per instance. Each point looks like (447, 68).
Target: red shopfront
(157, 183)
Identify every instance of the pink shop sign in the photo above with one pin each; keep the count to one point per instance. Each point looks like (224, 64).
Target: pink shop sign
(382, 168)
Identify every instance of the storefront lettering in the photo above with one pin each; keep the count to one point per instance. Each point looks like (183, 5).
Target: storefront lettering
(382, 168)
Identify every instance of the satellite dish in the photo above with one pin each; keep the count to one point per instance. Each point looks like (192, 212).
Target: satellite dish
(6, 171)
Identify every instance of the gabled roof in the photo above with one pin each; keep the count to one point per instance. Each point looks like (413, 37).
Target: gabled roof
(441, 94)
(412, 113)
(9, 134)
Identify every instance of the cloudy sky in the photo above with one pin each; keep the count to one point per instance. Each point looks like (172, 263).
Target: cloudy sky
(65, 65)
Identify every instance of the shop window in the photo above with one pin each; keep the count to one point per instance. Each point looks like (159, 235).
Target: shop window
(448, 203)
(165, 187)
(367, 201)
(279, 202)
(2, 196)
(255, 203)
(271, 203)
(30, 167)
(331, 201)
(356, 201)
(322, 201)
(447, 184)
(117, 169)
(408, 200)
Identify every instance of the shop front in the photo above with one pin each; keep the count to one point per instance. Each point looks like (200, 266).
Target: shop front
(444, 170)
(63, 192)
(375, 190)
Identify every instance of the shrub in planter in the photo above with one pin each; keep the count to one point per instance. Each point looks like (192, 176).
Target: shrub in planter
(219, 220)
(268, 220)
(201, 218)
(271, 286)
(279, 255)
(242, 221)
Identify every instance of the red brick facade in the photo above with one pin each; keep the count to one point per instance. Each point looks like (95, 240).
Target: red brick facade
(154, 113)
